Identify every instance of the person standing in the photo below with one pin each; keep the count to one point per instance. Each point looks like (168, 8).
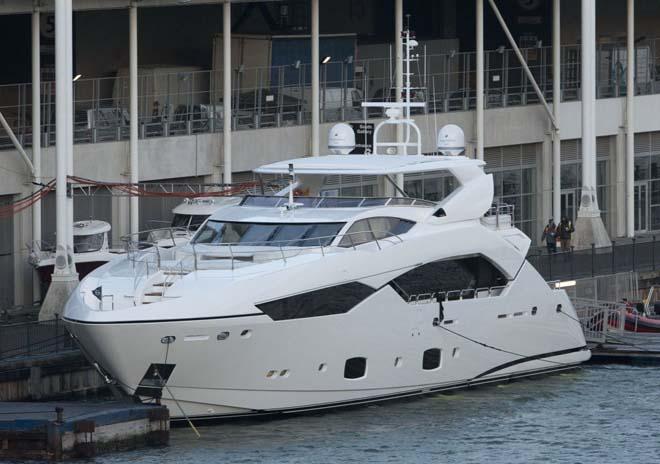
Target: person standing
(550, 236)
(565, 231)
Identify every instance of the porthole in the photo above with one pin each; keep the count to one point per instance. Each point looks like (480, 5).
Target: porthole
(431, 359)
(455, 353)
(223, 336)
(398, 362)
(271, 374)
(558, 308)
(534, 310)
(246, 333)
(323, 367)
(355, 368)
(284, 372)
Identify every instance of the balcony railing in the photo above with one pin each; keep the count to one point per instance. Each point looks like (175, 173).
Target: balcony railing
(191, 102)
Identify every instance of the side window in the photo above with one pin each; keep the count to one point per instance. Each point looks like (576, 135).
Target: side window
(448, 276)
(357, 234)
(355, 368)
(431, 359)
(368, 230)
(324, 302)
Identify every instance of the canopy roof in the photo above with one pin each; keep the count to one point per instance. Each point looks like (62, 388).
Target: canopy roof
(368, 165)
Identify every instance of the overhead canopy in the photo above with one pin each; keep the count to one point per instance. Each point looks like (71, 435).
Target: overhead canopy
(368, 165)
(26, 6)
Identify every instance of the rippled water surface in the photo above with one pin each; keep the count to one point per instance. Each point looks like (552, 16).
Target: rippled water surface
(595, 415)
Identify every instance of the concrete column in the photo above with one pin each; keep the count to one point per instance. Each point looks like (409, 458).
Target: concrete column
(316, 64)
(618, 179)
(398, 66)
(556, 103)
(545, 180)
(226, 93)
(69, 130)
(64, 278)
(589, 225)
(61, 80)
(36, 120)
(630, 122)
(480, 79)
(36, 135)
(588, 103)
(133, 84)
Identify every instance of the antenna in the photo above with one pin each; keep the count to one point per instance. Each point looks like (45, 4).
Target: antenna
(292, 180)
(400, 112)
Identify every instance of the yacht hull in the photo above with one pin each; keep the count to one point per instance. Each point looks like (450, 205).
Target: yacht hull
(267, 367)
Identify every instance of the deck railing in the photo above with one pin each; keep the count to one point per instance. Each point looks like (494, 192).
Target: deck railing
(190, 102)
(148, 257)
(600, 318)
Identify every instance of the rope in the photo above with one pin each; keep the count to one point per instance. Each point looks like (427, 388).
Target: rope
(485, 345)
(17, 206)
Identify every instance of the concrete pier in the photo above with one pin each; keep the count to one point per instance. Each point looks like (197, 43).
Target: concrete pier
(57, 431)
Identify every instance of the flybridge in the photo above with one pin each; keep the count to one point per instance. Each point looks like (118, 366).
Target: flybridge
(333, 202)
(369, 165)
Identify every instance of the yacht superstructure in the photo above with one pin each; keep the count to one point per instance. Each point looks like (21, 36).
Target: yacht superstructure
(302, 301)
(91, 249)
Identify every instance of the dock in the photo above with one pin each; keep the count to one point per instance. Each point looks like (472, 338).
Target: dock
(603, 324)
(641, 349)
(61, 430)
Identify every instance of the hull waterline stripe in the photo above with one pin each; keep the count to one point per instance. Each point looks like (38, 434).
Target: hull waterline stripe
(159, 321)
(530, 358)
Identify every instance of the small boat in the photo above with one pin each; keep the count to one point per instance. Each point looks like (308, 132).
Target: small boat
(91, 249)
(636, 322)
(193, 212)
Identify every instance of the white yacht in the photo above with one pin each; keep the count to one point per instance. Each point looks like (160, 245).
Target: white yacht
(192, 212)
(295, 303)
(91, 248)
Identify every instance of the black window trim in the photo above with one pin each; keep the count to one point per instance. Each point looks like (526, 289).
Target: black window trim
(269, 307)
(340, 237)
(408, 297)
(278, 224)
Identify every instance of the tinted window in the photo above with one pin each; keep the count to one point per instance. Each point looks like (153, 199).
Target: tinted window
(449, 275)
(88, 243)
(431, 359)
(366, 230)
(197, 220)
(216, 232)
(181, 220)
(334, 202)
(355, 368)
(324, 302)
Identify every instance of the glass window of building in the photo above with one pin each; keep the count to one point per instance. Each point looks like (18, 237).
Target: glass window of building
(514, 177)
(647, 182)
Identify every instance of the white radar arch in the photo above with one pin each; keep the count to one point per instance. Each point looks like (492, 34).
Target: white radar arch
(341, 139)
(451, 140)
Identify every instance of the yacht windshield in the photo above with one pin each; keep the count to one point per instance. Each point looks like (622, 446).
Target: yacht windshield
(268, 234)
(87, 243)
(189, 221)
(181, 220)
(197, 220)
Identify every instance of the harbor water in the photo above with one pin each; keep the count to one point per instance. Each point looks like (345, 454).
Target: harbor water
(598, 414)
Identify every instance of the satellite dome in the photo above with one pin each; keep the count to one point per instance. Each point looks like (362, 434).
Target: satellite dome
(451, 140)
(341, 139)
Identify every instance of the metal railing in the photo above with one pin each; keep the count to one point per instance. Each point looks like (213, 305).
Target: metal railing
(600, 318)
(193, 256)
(453, 295)
(641, 254)
(190, 102)
(34, 339)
